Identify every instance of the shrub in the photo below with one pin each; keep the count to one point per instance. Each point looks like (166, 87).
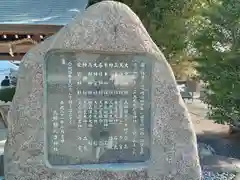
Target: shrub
(6, 94)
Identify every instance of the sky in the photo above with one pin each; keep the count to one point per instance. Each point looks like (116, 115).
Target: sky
(5, 67)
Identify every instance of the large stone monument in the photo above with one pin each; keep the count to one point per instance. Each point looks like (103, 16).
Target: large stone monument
(99, 101)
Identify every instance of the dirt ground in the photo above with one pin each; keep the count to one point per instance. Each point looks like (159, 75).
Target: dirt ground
(203, 125)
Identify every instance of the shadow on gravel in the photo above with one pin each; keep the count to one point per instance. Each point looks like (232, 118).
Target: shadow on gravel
(223, 144)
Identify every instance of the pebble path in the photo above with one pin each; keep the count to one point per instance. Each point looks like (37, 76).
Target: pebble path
(208, 175)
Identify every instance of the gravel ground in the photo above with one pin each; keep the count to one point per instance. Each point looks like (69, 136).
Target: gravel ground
(208, 175)
(208, 128)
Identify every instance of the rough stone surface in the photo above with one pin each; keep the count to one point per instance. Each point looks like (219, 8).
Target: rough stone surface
(4, 108)
(107, 26)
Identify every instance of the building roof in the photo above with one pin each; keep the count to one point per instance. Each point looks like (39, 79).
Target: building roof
(56, 12)
(35, 20)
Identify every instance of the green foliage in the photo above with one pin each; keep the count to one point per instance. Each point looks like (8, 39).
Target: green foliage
(7, 94)
(165, 20)
(218, 45)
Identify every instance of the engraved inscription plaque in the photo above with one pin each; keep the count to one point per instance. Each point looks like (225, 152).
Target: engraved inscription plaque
(98, 108)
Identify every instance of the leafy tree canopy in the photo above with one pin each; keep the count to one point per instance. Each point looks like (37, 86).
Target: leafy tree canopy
(165, 21)
(218, 44)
